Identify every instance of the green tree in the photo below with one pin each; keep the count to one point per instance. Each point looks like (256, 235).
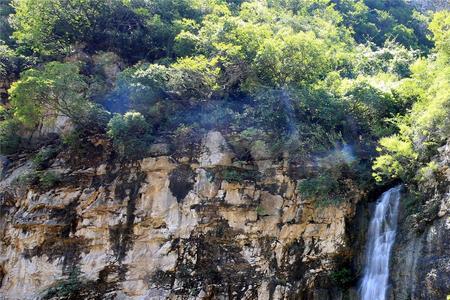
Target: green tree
(189, 79)
(5, 27)
(43, 94)
(135, 29)
(392, 58)
(9, 62)
(427, 127)
(292, 58)
(50, 27)
(440, 26)
(378, 21)
(369, 107)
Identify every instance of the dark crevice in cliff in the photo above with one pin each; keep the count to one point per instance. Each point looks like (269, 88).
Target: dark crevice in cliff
(2, 275)
(182, 180)
(294, 271)
(121, 235)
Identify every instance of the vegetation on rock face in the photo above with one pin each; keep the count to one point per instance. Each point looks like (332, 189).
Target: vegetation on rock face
(9, 139)
(306, 77)
(236, 175)
(409, 154)
(129, 133)
(344, 94)
(40, 95)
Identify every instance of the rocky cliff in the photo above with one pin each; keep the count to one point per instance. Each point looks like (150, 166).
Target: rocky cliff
(204, 226)
(421, 262)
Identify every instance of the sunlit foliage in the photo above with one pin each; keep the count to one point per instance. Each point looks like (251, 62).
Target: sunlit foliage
(410, 154)
(304, 77)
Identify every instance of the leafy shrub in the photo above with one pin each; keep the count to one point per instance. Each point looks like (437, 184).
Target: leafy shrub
(69, 287)
(141, 86)
(40, 159)
(187, 138)
(333, 178)
(323, 189)
(233, 174)
(280, 60)
(427, 173)
(73, 140)
(95, 123)
(397, 159)
(129, 133)
(95, 120)
(379, 21)
(26, 179)
(9, 62)
(48, 179)
(10, 141)
(342, 277)
(239, 175)
(440, 28)
(319, 186)
(369, 106)
(193, 79)
(42, 179)
(391, 58)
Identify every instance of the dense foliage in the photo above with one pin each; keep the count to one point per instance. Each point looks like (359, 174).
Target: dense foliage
(305, 77)
(410, 154)
(43, 94)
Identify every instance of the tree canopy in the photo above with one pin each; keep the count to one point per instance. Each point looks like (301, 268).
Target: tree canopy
(304, 77)
(56, 89)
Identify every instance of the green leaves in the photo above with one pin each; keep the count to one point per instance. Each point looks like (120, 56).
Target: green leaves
(129, 133)
(397, 160)
(440, 26)
(50, 27)
(119, 127)
(292, 58)
(135, 29)
(192, 79)
(291, 69)
(409, 155)
(41, 95)
(9, 138)
(379, 21)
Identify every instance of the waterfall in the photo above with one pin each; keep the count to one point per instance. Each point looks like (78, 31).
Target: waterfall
(381, 237)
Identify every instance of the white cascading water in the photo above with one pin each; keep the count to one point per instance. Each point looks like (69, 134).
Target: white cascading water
(381, 237)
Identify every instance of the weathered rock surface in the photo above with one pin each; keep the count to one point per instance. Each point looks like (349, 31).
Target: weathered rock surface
(162, 228)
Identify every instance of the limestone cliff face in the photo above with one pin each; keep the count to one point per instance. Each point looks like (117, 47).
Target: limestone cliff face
(421, 260)
(205, 226)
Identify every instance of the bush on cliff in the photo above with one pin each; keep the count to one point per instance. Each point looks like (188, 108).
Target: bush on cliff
(10, 141)
(129, 133)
